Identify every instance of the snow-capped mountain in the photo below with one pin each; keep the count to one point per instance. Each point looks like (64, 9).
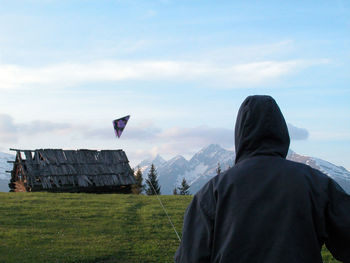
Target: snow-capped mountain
(203, 165)
(158, 161)
(197, 171)
(5, 166)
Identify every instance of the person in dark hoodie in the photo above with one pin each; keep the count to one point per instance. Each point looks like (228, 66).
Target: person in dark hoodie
(265, 208)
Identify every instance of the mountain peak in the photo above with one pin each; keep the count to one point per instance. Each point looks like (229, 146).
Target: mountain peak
(212, 151)
(178, 159)
(211, 148)
(212, 155)
(202, 167)
(158, 159)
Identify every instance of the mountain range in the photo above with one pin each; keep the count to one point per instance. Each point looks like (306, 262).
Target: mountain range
(203, 165)
(5, 166)
(199, 169)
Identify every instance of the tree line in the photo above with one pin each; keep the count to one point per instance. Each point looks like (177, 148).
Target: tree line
(152, 186)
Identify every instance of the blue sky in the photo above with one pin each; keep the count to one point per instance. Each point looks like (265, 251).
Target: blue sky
(180, 68)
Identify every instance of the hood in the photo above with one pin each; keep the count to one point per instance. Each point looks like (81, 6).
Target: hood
(260, 129)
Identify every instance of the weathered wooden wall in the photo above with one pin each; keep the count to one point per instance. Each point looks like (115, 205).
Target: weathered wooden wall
(72, 171)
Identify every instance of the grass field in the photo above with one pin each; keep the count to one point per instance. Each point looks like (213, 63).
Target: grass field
(47, 227)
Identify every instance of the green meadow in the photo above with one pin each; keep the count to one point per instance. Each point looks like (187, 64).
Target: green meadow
(47, 227)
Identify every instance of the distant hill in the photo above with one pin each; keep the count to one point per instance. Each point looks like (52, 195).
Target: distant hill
(202, 167)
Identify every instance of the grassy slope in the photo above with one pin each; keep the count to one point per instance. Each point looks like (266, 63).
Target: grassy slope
(46, 227)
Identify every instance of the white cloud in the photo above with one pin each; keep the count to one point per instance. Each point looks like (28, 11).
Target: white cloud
(330, 135)
(199, 136)
(249, 53)
(71, 74)
(140, 141)
(297, 133)
(10, 131)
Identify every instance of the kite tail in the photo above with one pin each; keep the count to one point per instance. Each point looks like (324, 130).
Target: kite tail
(154, 190)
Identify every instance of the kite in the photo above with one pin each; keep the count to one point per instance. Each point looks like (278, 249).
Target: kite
(119, 125)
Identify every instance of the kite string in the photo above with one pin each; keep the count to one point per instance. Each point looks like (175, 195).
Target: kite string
(154, 190)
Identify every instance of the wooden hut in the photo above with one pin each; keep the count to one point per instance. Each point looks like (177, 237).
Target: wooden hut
(56, 170)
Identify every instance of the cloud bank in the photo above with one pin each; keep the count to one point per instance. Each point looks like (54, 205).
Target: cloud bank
(297, 133)
(181, 140)
(142, 140)
(11, 131)
(71, 74)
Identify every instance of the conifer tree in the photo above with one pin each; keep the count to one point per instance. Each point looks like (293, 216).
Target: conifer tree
(218, 170)
(184, 188)
(175, 191)
(152, 181)
(138, 187)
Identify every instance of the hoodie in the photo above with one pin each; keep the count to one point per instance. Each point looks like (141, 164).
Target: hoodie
(265, 208)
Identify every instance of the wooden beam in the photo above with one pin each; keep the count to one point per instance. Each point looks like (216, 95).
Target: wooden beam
(18, 150)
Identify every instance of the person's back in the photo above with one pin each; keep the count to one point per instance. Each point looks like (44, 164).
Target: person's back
(266, 208)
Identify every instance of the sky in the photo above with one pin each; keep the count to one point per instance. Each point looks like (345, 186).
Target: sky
(181, 69)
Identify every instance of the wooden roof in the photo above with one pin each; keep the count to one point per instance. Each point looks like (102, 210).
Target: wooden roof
(82, 168)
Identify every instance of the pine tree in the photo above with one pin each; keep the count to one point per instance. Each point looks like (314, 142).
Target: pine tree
(152, 181)
(184, 188)
(138, 187)
(218, 170)
(175, 191)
